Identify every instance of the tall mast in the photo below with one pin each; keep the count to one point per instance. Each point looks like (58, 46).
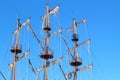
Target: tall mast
(76, 60)
(47, 27)
(46, 53)
(16, 48)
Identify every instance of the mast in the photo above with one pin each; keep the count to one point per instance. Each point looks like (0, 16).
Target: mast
(45, 71)
(47, 17)
(46, 53)
(75, 74)
(75, 59)
(16, 49)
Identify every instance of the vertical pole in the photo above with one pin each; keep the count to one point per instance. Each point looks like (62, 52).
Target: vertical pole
(14, 68)
(16, 46)
(47, 45)
(74, 26)
(47, 25)
(17, 34)
(75, 53)
(75, 74)
(75, 43)
(45, 71)
(47, 16)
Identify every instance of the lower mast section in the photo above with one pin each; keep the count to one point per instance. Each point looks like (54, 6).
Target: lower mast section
(45, 71)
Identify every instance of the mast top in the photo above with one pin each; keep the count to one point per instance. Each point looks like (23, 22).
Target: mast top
(46, 16)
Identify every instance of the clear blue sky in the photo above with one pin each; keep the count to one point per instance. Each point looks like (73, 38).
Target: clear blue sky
(102, 24)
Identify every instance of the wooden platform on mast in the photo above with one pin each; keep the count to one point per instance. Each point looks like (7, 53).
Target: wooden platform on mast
(74, 37)
(16, 49)
(47, 28)
(76, 62)
(46, 54)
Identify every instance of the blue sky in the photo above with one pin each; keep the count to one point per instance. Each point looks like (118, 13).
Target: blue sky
(102, 24)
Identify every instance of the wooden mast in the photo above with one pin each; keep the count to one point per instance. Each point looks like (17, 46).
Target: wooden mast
(16, 47)
(47, 53)
(75, 51)
(47, 28)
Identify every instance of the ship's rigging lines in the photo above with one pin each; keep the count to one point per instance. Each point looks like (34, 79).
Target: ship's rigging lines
(30, 28)
(69, 75)
(46, 52)
(17, 48)
(2, 75)
(77, 45)
(41, 41)
(32, 68)
(52, 11)
(10, 65)
(62, 71)
(75, 60)
(74, 32)
(22, 25)
(66, 44)
(76, 23)
(50, 35)
(48, 64)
